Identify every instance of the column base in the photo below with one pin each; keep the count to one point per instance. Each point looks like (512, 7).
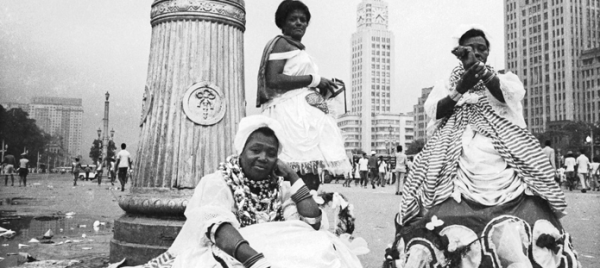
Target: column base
(140, 239)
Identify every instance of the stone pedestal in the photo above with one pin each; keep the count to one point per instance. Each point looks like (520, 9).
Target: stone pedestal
(193, 101)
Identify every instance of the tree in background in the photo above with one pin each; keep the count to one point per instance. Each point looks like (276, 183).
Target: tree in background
(112, 148)
(21, 133)
(96, 150)
(415, 147)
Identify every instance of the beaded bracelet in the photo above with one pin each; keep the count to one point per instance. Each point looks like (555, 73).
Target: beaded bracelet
(237, 246)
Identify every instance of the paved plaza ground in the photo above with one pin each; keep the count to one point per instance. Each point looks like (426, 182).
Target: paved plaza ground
(43, 204)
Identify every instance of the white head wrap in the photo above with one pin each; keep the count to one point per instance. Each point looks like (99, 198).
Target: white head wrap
(251, 123)
(463, 28)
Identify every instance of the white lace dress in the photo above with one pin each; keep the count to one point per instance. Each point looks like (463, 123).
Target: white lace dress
(316, 141)
(291, 243)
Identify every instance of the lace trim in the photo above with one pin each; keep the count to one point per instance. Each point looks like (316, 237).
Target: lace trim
(335, 167)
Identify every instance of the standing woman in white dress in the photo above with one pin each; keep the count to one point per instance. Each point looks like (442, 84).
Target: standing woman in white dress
(291, 91)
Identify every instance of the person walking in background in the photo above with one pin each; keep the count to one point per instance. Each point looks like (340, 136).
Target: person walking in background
(75, 169)
(401, 161)
(23, 170)
(87, 170)
(124, 164)
(356, 172)
(99, 170)
(373, 170)
(570, 170)
(382, 166)
(363, 167)
(111, 171)
(9, 163)
(582, 170)
(548, 151)
(594, 174)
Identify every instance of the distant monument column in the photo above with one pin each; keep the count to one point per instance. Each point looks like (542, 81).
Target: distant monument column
(193, 100)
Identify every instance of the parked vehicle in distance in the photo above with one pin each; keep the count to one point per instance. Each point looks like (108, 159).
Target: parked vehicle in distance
(92, 172)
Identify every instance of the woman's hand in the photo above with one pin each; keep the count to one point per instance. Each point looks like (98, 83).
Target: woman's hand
(471, 77)
(326, 86)
(284, 170)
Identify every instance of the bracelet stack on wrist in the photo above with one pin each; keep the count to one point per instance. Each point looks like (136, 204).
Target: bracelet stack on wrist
(237, 246)
(489, 79)
(316, 79)
(301, 194)
(257, 261)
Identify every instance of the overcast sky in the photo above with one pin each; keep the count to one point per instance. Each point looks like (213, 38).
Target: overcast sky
(81, 49)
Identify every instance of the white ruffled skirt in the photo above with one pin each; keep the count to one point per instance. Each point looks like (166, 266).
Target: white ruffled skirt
(290, 244)
(314, 137)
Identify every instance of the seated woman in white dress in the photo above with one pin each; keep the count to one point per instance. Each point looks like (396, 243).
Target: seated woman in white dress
(246, 215)
(481, 193)
(291, 91)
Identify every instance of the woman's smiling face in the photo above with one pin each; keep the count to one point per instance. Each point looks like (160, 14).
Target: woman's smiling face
(295, 24)
(259, 155)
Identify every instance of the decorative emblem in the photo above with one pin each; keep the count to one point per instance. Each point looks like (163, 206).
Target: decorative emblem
(203, 103)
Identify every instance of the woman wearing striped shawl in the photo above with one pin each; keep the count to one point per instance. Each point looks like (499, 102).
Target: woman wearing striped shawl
(481, 193)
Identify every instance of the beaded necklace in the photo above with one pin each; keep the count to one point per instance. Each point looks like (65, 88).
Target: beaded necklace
(255, 201)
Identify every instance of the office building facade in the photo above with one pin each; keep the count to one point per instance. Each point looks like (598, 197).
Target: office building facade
(545, 44)
(62, 118)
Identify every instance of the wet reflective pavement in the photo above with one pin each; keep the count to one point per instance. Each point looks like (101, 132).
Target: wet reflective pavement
(67, 231)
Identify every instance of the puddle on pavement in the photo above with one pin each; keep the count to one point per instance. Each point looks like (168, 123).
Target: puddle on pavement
(28, 227)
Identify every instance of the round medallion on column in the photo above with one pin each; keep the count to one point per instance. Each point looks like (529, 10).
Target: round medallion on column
(203, 103)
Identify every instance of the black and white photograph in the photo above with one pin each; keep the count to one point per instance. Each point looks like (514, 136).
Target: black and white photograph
(300, 133)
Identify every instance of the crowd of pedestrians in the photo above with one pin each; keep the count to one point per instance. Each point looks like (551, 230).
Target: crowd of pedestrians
(378, 171)
(576, 171)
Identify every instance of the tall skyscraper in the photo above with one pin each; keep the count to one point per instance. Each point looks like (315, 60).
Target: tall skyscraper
(421, 119)
(545, 41)
(61, 118)
(372, 79)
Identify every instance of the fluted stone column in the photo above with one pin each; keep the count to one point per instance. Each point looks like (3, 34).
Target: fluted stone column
(193, 101)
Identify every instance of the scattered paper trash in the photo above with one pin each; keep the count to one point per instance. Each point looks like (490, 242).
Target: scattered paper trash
(33, 240)
(22, 246)
(69, 215)
(36, 184)
(116, 264)
(5, 245)
(60, 230)
(68, 241)
(1, 259)
(82, 226)
(8, 234)
(97, 226)
(48, 234)
(103, 223)
(86, 248)
(76, 241)
(84, 235)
